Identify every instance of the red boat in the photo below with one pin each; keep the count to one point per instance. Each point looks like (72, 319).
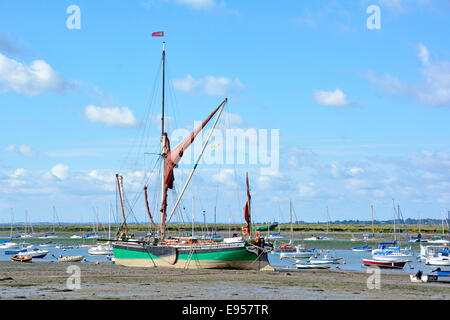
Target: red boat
(384, 264)
(286, 247)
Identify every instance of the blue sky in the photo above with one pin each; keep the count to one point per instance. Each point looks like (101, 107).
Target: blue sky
(362, 113)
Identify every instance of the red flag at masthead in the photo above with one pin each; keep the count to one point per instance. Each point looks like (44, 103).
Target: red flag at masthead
(158, 34)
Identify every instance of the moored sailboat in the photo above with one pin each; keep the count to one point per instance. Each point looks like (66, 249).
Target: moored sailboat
(186, 252)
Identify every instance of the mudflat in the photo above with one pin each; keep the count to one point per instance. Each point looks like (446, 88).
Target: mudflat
(49, 281)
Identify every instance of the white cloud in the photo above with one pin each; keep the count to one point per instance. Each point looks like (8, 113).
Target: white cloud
(23, 149)
(120, 117)
(354, 171)
(198, 4)
(423, 54)
(18, 173)
(60, 171)
(225, 176)
(335, 98)
(306, 191)
(31, 80)
(212, 86)
(433, 91)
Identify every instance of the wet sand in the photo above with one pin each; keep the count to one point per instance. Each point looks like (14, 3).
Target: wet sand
(108, 281)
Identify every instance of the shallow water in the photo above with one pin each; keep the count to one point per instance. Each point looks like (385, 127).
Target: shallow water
(339, 248)
(352, 261)
(54, 253)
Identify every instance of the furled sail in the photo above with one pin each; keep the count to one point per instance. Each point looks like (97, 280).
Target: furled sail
(148, 208)
(247, 207)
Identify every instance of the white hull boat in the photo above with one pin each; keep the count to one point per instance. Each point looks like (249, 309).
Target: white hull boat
(440, 260)
(302, 265)
(100, 250)
(9, 245)
(70, 259)
(298, 254)
(34, 253)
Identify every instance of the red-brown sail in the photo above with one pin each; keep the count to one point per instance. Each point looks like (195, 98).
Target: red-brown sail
(247, 208)
(174, 157)
(148, 208)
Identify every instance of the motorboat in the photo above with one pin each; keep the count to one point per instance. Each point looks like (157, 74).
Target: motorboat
(426, 251)
(7, 244)
(34, 253)
(100, 250)
(440, 258)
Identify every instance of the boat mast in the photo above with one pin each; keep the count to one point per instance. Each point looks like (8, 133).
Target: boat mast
(163, 147)
(109, 220)
(12, 219)
(395, 218)
(192, 217)
(373, 229)
(53, 228)
(121, 204)
(292, 230)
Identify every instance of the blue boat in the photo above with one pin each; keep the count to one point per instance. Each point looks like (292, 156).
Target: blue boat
(14, 251)
(436, 275)
(362, 248)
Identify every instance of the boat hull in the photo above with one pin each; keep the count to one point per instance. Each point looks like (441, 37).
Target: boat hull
(296, 255)
(313, 265)
(201, 257)
(71, 259)
(384, 264)
(437, 262)
(18, 258)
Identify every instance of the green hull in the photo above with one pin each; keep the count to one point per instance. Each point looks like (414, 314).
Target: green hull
(266, 228)
(203, 257)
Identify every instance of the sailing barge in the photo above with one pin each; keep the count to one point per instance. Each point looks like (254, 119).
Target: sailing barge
(193, 253)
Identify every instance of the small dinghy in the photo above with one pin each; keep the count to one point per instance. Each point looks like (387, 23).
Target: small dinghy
(362, 248)
(325, 260)
(70, 259)
(302, 265)
(21, 258)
